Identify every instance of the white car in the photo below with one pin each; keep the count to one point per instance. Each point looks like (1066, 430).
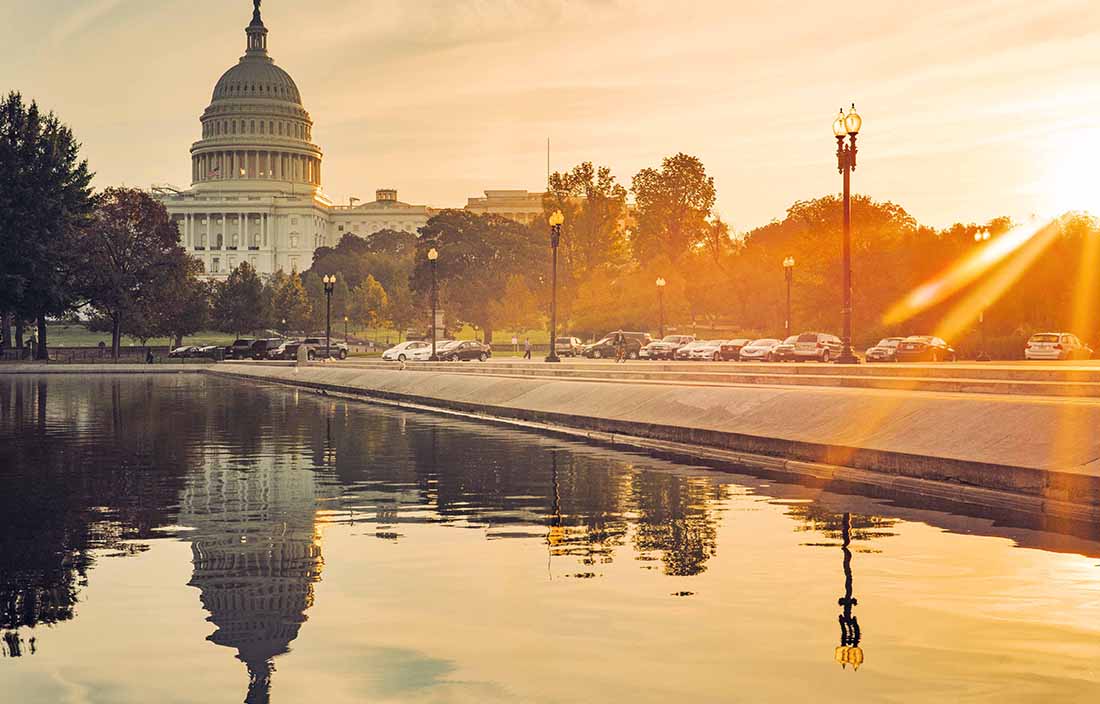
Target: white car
(1056, 345)
(707, 349)
(762, 350)
(417, 350)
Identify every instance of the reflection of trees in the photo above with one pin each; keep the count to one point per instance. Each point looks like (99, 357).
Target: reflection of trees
(85, 464)
(815, 516)
(675, 519)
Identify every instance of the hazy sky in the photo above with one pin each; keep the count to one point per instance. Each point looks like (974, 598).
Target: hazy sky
(971, 109)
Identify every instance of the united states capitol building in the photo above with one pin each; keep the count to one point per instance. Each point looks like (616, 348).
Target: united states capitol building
(256, 178)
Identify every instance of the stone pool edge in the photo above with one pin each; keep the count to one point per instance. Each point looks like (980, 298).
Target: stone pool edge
(1035, 491)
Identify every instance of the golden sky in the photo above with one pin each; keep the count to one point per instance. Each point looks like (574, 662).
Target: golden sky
(971, 109)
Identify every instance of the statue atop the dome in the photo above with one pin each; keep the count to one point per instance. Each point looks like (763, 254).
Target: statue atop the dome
(256, 4)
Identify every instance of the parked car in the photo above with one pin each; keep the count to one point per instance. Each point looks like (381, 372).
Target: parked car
(784, 351)
(762, 350)
(686, 351)
(666, 347)
(261, 347)
(317, 344)
(605, 348)
(568, 346)
(1056, 345)
(706, 350)
(209, 351)
(924, 348)
(185, 352)
(884, 351)
(413, 350)
(279, 351)
(731, 349)
(466, 350)
(820, 346)
(240, 349)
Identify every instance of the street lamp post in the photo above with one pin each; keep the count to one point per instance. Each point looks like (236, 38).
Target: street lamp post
(329, 280)
(847, 125)
(555, 239)
(982, 356)
(433, 256)
(788, 274)
(345, 329)
(661, 283)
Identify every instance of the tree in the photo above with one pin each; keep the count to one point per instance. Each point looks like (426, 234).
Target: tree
(130, 250)
(45, 196)
(369, 303)
(183, 302)
(239, 302)
(672, 208)
(477, 255)
(594, 206)
(290, 302)
(518, 308)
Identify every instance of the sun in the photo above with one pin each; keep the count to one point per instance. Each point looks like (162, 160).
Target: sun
(1069, 180)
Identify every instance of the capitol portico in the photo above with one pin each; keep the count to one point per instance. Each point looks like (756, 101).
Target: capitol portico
(256, 190)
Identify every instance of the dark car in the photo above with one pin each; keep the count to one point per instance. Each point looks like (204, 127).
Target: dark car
(731, 349)
(240, 349)
(885, 350)
(605, 348)
(262, 348)
(784, 351)
(924, 348)
(465, 351)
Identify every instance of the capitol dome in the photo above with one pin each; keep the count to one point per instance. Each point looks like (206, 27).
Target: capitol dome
(256, 133)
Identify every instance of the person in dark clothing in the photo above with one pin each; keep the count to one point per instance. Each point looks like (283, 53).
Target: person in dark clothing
(149, 357)
(620, 347)
(527, 348)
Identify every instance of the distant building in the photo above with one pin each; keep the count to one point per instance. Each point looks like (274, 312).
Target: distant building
(385, 212)
(521, 206)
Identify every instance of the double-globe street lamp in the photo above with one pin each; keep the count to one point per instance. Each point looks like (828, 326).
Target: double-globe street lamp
(661, 283)
(847, 125)
(788, 274)
(556, 220)
(433, 257)
(329, 280)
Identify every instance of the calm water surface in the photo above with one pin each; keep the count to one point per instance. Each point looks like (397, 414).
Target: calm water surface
(186, 539)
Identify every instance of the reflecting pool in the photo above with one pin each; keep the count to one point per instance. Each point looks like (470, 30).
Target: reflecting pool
(189, 539)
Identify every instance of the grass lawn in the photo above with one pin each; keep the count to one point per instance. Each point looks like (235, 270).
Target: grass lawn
(67, 335)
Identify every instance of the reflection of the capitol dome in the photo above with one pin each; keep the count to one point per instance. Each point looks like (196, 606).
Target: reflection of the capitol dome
(256, 555)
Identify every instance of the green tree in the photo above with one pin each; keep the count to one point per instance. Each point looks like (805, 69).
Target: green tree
(369, 303)
(517, 309)
(45, 197)
(239, 302)
(477, 254)
(131, 250)
(673, 205)
(290, 302)
(594, 206)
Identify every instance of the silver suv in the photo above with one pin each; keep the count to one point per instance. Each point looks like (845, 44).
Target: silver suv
(820, 346)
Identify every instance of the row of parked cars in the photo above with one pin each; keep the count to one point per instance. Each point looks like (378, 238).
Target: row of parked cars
(264, 348)
(445, 350)
(808, 346)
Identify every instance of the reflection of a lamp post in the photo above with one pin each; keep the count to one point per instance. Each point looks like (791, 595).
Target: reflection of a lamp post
(556, 219)
(848, 652)
(661, 304)
(788, 274)
(555, 533)
(846, 163)
(433, 257)
(983, 356)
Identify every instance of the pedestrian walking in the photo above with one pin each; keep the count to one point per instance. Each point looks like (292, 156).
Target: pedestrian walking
(527, 348)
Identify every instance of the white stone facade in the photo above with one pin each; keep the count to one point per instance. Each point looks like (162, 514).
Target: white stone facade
(256, 191)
